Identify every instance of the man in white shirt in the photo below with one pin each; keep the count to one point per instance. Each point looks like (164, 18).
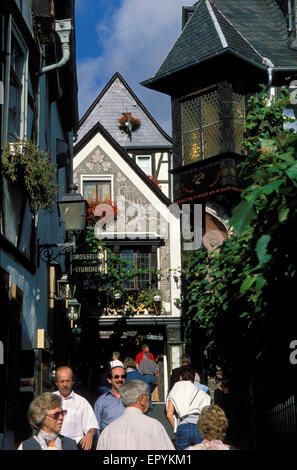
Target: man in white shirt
(134, 430)
(80, 423)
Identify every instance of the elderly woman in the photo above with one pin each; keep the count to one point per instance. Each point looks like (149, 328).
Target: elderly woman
(212, 426)
(184, 404)
(46, 416)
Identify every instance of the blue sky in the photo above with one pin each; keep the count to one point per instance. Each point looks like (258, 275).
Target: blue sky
(131, 37)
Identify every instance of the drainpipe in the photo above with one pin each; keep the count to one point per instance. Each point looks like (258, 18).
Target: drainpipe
(62, 28)
(280, 68)
(290, 19)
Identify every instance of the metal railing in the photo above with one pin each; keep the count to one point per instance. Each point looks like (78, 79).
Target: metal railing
(280, 424)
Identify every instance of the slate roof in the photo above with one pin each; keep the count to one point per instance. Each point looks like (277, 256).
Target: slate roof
(255, 30)
(115, 98)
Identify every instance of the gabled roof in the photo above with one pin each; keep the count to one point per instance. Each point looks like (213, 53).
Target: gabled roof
(254, 30)
(98, 128)
(117, 97)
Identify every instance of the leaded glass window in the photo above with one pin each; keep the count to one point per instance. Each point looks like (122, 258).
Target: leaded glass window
(200, 127)
(238, 119)
(203, 126)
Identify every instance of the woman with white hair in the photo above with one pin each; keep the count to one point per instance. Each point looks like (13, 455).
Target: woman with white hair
(46, 417)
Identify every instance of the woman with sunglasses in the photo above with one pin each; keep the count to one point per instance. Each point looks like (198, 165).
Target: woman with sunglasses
(46, 416)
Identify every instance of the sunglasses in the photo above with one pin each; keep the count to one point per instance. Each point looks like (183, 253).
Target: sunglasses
(58, 414)
(119, 376)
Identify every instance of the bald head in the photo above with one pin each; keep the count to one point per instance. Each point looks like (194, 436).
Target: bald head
(64, 380)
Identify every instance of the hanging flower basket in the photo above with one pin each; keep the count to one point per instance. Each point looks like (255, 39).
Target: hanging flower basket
(129, 123)
(23, 163)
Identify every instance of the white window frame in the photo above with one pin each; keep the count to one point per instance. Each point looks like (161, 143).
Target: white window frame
(145, 156)
(14, 31)
(85, 178)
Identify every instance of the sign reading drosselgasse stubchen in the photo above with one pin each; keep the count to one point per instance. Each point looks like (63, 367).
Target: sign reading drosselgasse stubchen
(88, 262)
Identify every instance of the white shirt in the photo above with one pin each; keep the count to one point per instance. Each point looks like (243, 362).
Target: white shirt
(187, 400)
(134, 431)
(80, 416)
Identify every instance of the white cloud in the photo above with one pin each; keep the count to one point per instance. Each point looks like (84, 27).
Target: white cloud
(134, 42)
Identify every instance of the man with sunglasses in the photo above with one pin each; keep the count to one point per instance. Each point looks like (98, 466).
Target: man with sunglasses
(108, 406)
(133, 430)
(80, 422)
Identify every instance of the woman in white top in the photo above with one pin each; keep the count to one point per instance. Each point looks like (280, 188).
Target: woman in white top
(184, 404)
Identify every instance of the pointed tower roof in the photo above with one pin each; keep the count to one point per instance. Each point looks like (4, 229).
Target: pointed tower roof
(254, 30)
(117, 97)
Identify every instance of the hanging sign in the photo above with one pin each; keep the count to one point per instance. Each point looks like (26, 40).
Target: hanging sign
(82, 263)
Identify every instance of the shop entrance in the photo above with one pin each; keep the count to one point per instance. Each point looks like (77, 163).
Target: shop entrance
(129, 344)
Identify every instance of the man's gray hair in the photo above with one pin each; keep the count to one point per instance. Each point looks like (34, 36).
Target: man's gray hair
(132, 391)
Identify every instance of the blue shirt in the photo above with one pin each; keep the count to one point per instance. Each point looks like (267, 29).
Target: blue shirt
(107, 408)
(202, 387)
(134, 375)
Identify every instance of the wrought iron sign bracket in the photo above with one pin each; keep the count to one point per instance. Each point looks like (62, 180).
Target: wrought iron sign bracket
(47, 253)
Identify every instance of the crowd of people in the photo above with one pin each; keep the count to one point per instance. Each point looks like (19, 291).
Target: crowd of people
(65, 420)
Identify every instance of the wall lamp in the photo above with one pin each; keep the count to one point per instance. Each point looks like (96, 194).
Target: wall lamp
(73, 209)
(65, 290)
(73, 311)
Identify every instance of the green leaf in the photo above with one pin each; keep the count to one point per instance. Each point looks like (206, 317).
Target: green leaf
(260, 283)
(242, 215)
(268, 144)
(261, 249)
(272, 186)
(247, 283)
(292, 172)
(283, 213)
(244, 314)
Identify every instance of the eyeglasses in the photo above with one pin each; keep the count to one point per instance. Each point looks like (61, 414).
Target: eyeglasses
(58, 414)
(119, 376)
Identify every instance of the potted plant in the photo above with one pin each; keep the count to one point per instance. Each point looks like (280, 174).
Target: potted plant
(156, 295)
(128, 123)
(23, 163)
(117, 294)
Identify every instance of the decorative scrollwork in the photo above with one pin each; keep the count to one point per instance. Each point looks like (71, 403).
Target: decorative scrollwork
(47, 252)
